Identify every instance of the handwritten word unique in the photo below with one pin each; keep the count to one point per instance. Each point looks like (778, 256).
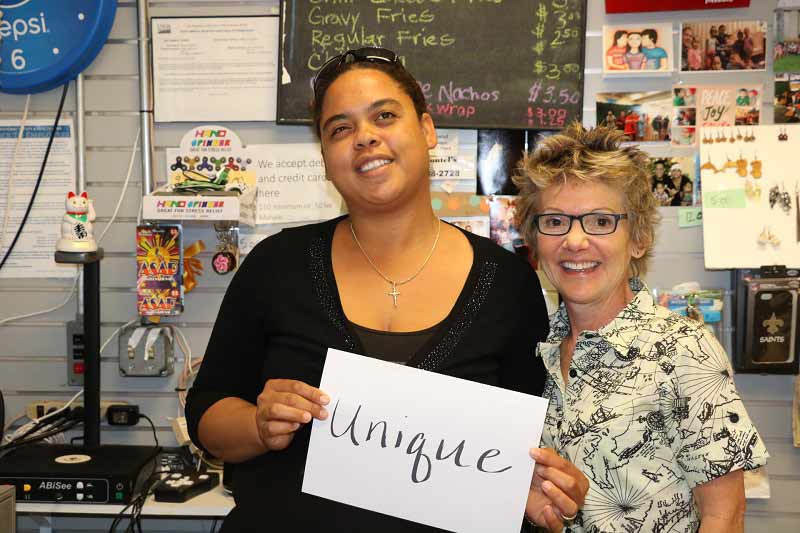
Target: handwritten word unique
(423, 466)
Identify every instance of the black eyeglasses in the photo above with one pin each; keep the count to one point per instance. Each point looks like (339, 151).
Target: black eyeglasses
(370, 54)
(592, 223)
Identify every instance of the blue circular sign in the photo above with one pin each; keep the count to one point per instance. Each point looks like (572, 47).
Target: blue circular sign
(46, 43)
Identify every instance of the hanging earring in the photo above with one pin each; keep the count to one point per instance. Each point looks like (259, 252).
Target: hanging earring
(738, 135)
(764, 236)
(786, 200)
(767, 237)
(752, 191)
(774, 196)
(729, 163)
(783, 135)
(708, 165)
(741, 165)
(731, 138)
(755, 167)
(751, 137)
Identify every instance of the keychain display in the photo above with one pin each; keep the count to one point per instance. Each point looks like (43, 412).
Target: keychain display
(226, 258)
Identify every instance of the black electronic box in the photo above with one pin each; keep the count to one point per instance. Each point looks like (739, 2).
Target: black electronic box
(55, 473)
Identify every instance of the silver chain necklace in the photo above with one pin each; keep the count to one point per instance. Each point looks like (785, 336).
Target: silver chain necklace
(394, 293)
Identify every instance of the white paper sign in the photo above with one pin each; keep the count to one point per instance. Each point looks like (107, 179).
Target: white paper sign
(422, 446)
(33, 255)
(215, 68)
(292, 186)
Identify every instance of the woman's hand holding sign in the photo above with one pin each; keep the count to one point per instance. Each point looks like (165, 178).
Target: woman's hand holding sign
(557, 491)
(283, 406)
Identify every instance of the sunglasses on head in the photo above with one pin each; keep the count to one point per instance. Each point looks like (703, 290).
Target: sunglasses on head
(360, 55)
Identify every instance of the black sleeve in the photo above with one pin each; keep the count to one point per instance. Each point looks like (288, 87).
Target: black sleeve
(521, 369)
(233, 359)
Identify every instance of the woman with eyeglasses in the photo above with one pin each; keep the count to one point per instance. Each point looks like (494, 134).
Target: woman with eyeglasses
(642, 400)
(390, 281)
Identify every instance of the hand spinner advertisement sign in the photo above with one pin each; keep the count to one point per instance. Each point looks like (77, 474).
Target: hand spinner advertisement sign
(750, 191)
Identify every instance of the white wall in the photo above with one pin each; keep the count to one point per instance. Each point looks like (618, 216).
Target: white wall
(32, 353)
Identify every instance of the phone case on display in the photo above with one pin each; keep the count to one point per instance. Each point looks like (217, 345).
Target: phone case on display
(771, 325)
(766, 322)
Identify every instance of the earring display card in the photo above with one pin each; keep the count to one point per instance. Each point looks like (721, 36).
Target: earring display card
(750, 193)
(159, 270)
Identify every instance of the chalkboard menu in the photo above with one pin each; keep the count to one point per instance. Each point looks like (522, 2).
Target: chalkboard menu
(511, 64)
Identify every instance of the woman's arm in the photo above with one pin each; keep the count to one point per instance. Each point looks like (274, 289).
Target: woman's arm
(235, 430)
(721, 503)
(228, 430)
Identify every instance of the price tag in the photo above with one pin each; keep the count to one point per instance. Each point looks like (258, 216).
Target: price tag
(689, 217)
(725, 199)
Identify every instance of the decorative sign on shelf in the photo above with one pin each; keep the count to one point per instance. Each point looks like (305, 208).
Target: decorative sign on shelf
(535, 48)
(46, 44)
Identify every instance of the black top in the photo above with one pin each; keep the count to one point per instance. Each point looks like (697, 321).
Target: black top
(280, 315)
(392, 346)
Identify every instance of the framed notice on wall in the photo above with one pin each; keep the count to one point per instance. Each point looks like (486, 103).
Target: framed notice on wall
(214, 69)
(510, 65)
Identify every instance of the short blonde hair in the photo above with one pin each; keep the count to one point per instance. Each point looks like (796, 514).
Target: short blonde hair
(593, 156)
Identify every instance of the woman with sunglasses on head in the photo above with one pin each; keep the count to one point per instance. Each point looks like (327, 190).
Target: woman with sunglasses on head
(390, 281)
(641, 399)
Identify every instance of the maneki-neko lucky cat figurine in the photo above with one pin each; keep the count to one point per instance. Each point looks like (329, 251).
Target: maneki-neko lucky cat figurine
(76, 226)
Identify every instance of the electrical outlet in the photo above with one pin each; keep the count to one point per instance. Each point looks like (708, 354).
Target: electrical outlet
(40, 408)
(147, 350)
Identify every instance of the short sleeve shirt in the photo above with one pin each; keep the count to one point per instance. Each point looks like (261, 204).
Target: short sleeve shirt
(650, 412)
(654, 57)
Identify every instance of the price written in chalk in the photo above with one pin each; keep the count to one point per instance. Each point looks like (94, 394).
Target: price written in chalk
(554, 117)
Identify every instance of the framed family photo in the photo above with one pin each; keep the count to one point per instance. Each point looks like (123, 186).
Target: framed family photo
(723, 46)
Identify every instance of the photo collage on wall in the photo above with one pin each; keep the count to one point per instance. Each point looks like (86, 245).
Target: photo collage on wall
(669, 122)
(703, 106)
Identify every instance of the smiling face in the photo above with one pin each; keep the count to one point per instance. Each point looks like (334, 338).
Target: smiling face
(589, 271)
(374, 145)
(634, 40)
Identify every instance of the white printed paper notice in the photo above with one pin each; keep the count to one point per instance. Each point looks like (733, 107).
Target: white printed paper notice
(422, 446)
